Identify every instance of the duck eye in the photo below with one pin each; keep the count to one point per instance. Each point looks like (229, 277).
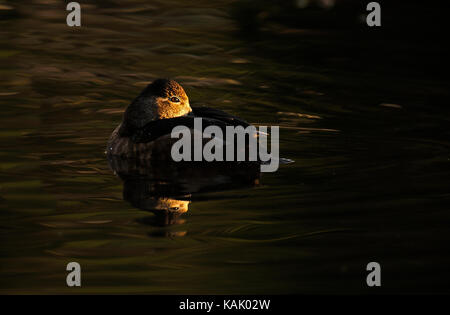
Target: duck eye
(174, 99)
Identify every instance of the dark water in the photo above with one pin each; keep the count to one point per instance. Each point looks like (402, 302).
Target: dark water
(369, 138)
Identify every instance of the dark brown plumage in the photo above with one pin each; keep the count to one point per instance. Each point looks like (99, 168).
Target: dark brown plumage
(148, 121)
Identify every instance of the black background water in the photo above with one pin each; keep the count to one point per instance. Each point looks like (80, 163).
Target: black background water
(363, 112)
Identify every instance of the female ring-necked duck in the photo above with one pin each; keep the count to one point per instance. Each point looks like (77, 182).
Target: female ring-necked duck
(148, 121)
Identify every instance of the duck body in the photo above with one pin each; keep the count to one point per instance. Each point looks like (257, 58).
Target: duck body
(139, 149)
(145, 132)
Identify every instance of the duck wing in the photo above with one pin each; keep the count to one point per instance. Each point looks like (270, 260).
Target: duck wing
(162, 127)
(217, 114)
(210, 117)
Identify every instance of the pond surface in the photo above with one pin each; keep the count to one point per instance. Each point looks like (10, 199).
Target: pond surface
(370, 143)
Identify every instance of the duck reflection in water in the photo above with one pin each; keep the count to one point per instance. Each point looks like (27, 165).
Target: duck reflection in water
(168, 189)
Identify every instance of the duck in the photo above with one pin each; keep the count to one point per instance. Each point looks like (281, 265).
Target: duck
(145, 130)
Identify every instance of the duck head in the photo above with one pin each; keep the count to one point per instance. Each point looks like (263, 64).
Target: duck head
(161, 99)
